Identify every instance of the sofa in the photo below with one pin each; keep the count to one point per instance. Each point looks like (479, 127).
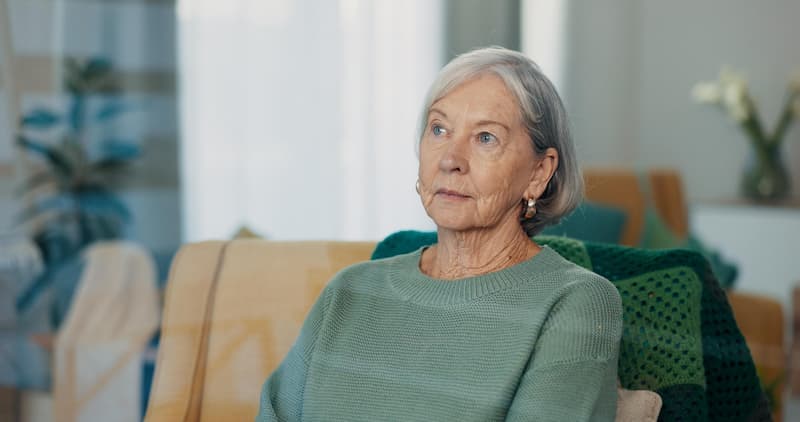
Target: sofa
(233, 310)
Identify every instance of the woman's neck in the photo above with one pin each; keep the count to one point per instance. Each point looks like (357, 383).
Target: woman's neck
(465, 254)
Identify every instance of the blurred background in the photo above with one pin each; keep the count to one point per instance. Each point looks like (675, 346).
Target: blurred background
(161, 122)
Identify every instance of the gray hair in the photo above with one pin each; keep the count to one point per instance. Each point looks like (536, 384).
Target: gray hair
(542, 113)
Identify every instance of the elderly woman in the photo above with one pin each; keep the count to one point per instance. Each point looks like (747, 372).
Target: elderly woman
(486, 324)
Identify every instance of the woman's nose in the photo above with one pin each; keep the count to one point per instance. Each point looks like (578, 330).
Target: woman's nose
(456, 157)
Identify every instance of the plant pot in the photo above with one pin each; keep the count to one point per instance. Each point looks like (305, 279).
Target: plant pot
(765, 178)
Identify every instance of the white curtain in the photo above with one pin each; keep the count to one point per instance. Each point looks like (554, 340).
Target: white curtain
(543, 34)
(298, 117)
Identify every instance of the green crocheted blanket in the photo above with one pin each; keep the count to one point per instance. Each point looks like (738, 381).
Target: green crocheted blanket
(679, 337)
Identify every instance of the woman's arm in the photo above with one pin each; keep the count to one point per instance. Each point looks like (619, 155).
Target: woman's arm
(282, 393)
(573, 369)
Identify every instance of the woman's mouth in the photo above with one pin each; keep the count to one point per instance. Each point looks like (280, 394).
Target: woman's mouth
(451, 194)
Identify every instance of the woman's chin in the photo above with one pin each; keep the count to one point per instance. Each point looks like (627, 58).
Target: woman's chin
(453, 223)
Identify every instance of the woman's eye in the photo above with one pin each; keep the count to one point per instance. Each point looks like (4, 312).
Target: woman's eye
(486, 138)
(438, 130)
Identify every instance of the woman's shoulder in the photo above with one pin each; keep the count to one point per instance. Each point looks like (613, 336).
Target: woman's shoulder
(575, 283)
(370, 273)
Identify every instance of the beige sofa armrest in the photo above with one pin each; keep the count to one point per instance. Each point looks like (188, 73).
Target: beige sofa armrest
(177, 387)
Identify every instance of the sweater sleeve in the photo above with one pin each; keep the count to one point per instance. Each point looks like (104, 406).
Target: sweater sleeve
(572, 372)
(282, 393)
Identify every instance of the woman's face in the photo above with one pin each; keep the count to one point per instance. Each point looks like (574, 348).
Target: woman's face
(476, 159)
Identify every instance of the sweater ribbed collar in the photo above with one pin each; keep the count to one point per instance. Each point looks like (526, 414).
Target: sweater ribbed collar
(412, 284)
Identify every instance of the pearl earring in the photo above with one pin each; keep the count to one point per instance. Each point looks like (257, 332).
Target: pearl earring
(530, 209)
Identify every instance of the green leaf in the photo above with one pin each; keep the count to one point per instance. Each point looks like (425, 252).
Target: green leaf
(40, 119)
(98, 76)
(37, 180)
(120, 149)
(96, 68)
(59, 202)
(108, 164)
(111, 110)
(58, 241)
(104, 227)
(786, 116)
(99, 199)
(57, 160)
(77, 116)
(29, 295)
(97, 229)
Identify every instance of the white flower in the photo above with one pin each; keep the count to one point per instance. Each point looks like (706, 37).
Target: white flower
(734, 95)
(707, 92)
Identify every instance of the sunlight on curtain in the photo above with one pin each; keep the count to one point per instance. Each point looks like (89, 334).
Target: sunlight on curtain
(298, 118)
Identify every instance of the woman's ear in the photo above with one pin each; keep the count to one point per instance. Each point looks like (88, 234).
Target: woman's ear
(543, 170)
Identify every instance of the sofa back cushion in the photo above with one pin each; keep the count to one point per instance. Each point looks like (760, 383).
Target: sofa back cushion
(233, 311)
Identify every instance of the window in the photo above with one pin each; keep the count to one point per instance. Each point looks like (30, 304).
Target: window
(298, 118)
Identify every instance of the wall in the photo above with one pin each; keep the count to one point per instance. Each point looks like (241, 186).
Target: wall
(138, 36)
(472, 24)
(631, 64)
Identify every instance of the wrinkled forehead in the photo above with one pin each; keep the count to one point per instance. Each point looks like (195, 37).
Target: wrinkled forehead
(483, 96)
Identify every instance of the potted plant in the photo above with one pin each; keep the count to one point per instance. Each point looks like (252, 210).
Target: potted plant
(766, 178)
(70, 201)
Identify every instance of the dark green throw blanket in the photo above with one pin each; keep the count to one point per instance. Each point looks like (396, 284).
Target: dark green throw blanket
(679, 337)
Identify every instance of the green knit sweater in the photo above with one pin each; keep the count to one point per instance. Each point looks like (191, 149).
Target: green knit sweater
(384, 342)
